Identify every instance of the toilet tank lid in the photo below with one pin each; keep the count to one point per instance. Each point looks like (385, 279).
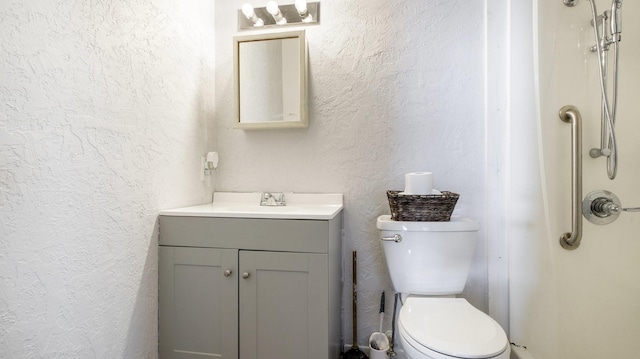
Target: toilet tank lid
(456, 224)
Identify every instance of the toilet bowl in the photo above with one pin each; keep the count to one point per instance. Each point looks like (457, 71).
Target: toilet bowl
(429, 262)
(446, 328)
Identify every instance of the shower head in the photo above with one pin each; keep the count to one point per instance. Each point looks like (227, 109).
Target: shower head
(616, 20)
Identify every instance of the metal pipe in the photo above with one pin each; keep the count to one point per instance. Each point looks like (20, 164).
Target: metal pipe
(602, 45)
(612, 159)
(571, 240)
(604, 57)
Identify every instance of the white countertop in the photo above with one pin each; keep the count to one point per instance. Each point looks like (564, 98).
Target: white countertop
(247, 205)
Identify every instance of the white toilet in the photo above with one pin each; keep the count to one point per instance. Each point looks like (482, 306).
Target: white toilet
(429, 262)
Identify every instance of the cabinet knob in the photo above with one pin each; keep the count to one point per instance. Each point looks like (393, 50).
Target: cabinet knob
(227, 272)
(245, 275)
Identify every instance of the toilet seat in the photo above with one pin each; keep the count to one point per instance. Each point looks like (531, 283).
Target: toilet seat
(450, 328)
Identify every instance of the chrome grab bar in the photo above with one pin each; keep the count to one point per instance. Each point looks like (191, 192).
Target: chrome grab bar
(571, 240)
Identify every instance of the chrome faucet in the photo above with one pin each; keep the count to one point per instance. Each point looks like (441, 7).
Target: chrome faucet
(269, 199)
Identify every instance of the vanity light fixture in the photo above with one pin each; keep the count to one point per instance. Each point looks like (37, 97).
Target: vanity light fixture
(299, 13)
(247, 10)
(274, 10)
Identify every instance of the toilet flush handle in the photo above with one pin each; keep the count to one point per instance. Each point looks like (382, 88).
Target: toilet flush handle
(396, 238)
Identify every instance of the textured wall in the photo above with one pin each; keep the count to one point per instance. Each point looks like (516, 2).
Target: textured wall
(103, 108)
(395, 87)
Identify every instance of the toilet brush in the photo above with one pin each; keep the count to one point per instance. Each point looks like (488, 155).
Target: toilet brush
(379, 339)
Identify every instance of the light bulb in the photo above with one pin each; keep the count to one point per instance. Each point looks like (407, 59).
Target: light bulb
(274, 10)
(247, 10)
(301, 6)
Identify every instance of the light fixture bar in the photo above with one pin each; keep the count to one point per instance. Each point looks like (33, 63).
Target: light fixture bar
(288, 12)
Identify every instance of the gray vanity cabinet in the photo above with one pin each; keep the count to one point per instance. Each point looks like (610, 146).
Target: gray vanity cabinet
(197, 303)
(234, 288)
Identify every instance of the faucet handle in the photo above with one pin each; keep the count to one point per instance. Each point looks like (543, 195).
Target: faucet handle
(630, 209)
(264, 200)
(268, 199)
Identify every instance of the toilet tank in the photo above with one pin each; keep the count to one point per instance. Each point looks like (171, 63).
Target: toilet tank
(432, 258)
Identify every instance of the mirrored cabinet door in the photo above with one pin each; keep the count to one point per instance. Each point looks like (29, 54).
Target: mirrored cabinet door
(270, 80)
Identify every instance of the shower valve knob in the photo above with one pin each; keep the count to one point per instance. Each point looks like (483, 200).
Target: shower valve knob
(603, 207)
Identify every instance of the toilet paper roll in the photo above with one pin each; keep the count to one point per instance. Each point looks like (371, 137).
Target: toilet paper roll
(418, 183)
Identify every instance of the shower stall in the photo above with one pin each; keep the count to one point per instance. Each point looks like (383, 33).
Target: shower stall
(583, 301)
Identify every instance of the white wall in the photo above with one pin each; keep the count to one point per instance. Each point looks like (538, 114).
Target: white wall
(102, 119)
(395, 86)
(581, 303)
(103, 109)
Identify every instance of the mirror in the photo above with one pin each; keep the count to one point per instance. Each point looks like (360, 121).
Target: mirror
(270, 80)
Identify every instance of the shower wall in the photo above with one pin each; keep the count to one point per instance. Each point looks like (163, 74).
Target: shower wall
(581, 303)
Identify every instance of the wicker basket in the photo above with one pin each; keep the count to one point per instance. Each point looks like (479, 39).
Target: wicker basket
(422, 208)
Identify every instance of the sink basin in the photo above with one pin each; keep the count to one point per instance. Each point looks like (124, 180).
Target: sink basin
(247, 205)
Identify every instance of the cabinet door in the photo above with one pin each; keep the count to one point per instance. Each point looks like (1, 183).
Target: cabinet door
(283, 305)
(198, 303)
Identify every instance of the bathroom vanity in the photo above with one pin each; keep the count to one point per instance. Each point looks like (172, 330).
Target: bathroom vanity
(237, 280)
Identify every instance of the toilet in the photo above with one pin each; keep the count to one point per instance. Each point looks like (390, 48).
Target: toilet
(429, 264)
